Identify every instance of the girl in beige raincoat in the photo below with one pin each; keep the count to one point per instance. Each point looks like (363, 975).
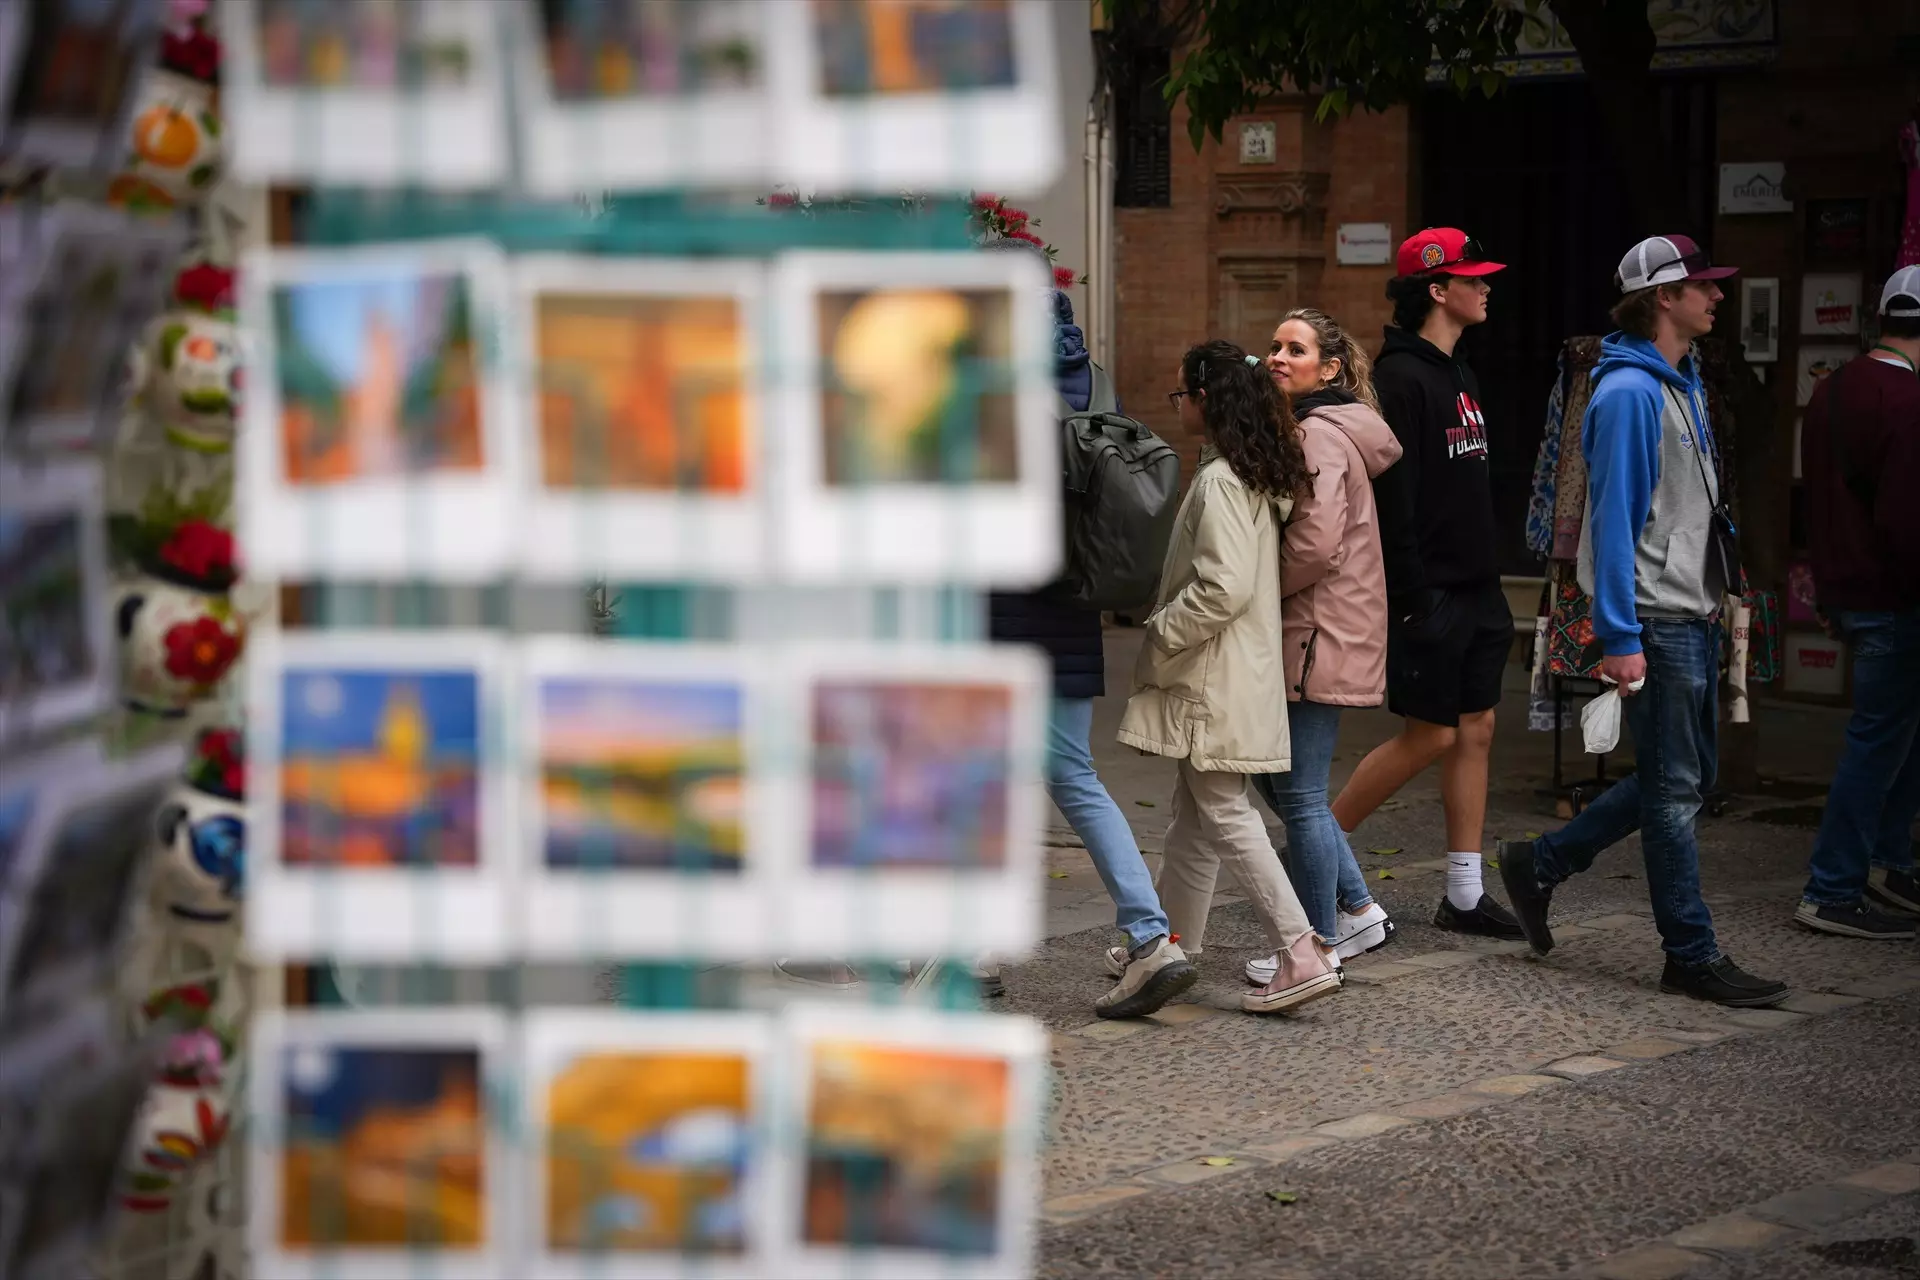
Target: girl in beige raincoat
(1209, 689)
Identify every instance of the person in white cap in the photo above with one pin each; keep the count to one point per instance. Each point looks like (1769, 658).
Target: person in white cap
(1657, 553)
(1860, 449)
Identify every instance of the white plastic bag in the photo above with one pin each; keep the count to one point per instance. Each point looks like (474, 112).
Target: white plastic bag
(1600, 720)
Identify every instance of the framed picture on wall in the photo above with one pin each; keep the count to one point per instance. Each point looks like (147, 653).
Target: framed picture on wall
(1814, 362)
(1836, 232)
(1760, 319)
(1830, 304)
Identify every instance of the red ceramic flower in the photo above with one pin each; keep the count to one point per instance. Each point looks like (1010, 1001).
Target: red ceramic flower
(201, 551)
(200, 651)
(1063, 278)
(192, 52)
(205, 286)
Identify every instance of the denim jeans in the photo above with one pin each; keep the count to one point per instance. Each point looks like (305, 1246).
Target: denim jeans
(1876, 787)
(1318, 858)
(1097, 820)
(1674, 721)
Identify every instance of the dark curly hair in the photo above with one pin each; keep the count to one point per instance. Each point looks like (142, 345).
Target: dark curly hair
(1412, 303)
(1247, 419)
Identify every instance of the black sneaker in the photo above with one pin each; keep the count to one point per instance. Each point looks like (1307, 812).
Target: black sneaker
(1488, 919)
(1721, 981)
(1523, 889)
(1895, 891)
(1855, 920)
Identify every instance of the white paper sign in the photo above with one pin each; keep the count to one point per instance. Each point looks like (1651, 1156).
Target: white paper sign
(1754, 187)
(1830, 304)
(1815, 665)
(1364, 244)
(1256, 143)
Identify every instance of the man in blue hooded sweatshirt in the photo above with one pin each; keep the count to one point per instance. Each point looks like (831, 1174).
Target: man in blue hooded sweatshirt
(1657, 553)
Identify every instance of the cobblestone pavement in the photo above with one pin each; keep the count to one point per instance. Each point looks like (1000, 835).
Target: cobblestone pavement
(1464, 1109)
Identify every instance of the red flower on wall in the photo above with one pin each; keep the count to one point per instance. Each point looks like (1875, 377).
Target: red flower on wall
(200, 651)
(1063, 278)
(205, 286)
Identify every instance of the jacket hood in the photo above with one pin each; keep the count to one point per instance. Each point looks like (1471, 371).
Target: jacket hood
(1402, 342)
(1624, 351)
(1379, 447)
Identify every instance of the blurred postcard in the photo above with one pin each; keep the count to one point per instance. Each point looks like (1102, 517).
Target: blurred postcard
(81, 284)
(918, 419)
(643, 418)
(57, 660)
(884, 94)
(919, 1142)
(921, 801)
(632, 94)
(366, 92)
(70, 71)
(649, 1144)
(70, 907)
(380, 794)
(647, 822)
(379, 441)
(376, 1147)
(29, 781)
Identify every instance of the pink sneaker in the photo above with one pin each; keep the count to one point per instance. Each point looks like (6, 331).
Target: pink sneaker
(1306, 972)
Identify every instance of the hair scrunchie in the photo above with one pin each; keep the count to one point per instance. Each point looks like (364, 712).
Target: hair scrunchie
(1253, 362)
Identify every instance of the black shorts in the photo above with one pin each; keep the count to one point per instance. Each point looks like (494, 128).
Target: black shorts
(1449, 663)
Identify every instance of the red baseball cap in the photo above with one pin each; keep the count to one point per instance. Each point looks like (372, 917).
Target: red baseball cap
(1445, 249)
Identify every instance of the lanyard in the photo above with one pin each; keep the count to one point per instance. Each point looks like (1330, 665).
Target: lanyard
(1901, 356)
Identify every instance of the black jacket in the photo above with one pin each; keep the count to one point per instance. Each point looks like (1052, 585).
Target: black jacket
(1436, 503)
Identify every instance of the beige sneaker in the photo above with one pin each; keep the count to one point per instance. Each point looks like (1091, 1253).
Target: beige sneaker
(1306, 972)
(1149, 982)
(1116, 959)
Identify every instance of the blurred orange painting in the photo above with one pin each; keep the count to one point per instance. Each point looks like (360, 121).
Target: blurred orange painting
(904, 1148)
(642, 392)
(646, 1151)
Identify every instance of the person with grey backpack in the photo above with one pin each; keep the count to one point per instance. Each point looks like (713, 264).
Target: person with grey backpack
(1122, 490)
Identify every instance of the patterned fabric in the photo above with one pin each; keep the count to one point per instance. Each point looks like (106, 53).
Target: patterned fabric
(1545, 466)
(1570, 480)
(1764, 655)
(1573, 651)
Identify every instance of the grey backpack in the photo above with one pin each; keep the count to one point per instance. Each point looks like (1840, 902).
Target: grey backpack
(1122, 494)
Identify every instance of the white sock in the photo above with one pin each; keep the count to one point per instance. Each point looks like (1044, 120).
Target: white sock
(1463, 880)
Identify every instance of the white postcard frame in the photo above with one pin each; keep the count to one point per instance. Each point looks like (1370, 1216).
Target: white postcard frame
(1021, 1041)
(386, 914)
(1846, 287)
(570, 533)
(1760, 318)
(999, 534)
(600, 912)
(552, 1037)
(916, 912)
(703, 139)
(275, 1032)
(356, 136)
(459, 527)
(1810, 354)
(78, 486)
(987, 138)
(36, 775)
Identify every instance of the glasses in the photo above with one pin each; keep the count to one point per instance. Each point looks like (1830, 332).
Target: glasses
(1174, 398)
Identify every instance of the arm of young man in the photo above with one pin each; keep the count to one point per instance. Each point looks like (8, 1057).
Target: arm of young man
(1223, 566)
(1621, 441)
(1396, 495)
(1316, 534)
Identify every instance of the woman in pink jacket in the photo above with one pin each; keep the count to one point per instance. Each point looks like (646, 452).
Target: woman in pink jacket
(1333, 618)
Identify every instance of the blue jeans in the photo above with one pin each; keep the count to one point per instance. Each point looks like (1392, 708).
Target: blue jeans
(1097, 820)
(1318, 858)
(1876, 787)
(1674, 721)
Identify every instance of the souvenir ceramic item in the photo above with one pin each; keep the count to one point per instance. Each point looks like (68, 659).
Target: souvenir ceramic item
(188, 368)
(174, 147)
(179, 630)
(182, 1122)
(203, 837)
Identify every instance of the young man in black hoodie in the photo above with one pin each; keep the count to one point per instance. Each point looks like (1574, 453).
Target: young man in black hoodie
(1449, 630)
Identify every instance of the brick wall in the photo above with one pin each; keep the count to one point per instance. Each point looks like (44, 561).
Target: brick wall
(1188, 272)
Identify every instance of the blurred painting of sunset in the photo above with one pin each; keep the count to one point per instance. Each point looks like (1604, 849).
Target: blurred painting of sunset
(380, 769)
(385, 1148)
(646, 1151)
(377, 376)
(911, 775)
(642, 392)
(904, 1148)
(638, 774)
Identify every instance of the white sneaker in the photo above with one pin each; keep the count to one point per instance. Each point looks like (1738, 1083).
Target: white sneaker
(1116, 959)
(1371, 930)
(1148, 983)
